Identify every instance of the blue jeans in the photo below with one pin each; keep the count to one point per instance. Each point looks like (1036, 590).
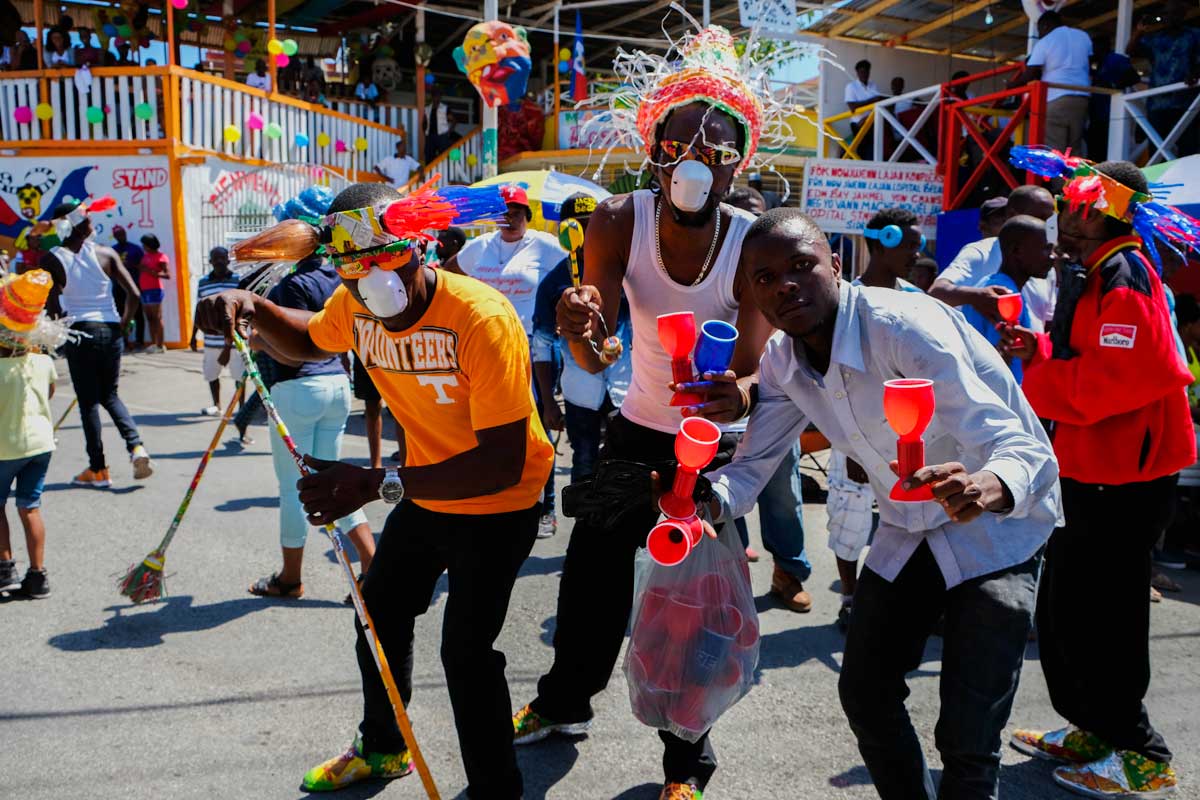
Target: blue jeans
(315, 410)
(95, 365)
(584, 428)
(781, 517)
(987, 622)
(30, 477)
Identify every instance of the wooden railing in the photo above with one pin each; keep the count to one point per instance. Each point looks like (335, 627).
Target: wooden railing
(461, 164)
(149, 105)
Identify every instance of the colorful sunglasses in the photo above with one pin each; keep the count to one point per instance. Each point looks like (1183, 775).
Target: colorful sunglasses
(707, 154)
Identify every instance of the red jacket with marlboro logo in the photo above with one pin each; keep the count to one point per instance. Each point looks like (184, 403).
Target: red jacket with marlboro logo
(1120, 405)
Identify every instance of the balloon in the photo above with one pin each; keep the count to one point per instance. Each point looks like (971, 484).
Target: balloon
(564, 66)
(109, 29)
(322, 139)
(282, 60)
(120, 40)
(243, 48)
(143, 111)
(301, 140)
(232, 134)
(44, 111)
(230, 45)
(455, 154)
(429, 78)
(118, 20)
(564, 55)
(23, 115)
(239, 37)
(360, 144)
(95, 115)
(254, 121)
(273, 130)
(274, 47)
(180, 4)
(339, 146)
(125, 31)
(290, 47)
(472, 159)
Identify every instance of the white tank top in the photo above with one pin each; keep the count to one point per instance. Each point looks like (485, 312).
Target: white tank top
(88, 296)
(651, 292)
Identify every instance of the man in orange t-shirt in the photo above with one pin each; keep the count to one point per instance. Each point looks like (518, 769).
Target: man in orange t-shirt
(451, 358)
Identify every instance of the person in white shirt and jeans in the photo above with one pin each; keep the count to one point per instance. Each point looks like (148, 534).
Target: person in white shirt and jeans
(972, 553)
(862, 92)
(1062, 55)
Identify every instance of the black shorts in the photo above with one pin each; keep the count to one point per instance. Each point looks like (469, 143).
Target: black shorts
(364, 387)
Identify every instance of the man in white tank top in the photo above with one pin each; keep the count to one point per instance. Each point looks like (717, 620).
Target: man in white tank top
(83, 273)
(676, 250)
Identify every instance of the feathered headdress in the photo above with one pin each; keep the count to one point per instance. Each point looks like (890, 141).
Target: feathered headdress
(377, 236)
(23, 321)
(56, 231)
(1088, 188)
(705, 67)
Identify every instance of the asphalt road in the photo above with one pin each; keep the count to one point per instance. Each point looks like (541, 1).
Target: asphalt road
(214, 693)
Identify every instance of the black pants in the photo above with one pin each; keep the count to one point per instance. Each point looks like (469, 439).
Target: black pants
(95, 365)
(594, 601)
(1093, 613)
(481, 553)
(584, 429)
(987, 622)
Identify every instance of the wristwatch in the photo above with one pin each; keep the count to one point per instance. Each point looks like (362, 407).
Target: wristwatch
(391, 491)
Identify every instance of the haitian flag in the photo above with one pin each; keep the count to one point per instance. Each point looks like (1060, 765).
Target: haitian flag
(579, 87)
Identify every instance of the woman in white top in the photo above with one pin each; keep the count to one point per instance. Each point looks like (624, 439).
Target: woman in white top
(58, 51)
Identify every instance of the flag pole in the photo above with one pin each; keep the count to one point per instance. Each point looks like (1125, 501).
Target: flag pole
(555, 76)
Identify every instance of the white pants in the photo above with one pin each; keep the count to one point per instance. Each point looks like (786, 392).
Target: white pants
(849, 508)
(212, 369)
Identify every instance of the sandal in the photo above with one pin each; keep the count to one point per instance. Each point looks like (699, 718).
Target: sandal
(272, 587)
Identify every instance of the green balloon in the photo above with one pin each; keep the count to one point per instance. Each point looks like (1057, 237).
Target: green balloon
(455, 154)
(273, 130)
(290, 47)
(125, 31)
(95, 115)
(142, 111)
(239, 37)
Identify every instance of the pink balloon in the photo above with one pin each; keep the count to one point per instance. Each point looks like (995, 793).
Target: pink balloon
(254, 122)
(23, 115)
(281, 59)
(339, 146)
(181, 4)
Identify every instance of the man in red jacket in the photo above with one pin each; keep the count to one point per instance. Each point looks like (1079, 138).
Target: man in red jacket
(1110, 380)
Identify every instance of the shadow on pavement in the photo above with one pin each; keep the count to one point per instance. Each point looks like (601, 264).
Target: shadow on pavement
(855, 776)
(547, 764)
(243, 503)
(646, 791)
(359, 791)
(175, 614)
(170, 420)
(59, 487)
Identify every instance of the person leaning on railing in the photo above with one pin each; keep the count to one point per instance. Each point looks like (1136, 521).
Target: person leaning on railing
(1174, 53)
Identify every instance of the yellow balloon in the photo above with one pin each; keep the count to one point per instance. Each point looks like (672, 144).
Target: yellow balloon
(322, 139)
(472, 159)
(232, 134)
(274, 47)
(360, 144)
(564, 55)
(44, 111)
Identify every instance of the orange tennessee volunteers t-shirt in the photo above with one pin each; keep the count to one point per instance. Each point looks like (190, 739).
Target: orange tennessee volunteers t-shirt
(464, 366)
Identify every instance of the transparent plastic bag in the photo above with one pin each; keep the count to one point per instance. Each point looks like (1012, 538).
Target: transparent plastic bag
(694, 646)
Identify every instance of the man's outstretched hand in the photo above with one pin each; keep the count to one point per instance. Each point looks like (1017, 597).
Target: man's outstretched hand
(965, 496)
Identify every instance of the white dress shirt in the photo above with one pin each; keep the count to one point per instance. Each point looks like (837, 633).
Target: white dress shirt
(1064, 55)
(982, 420)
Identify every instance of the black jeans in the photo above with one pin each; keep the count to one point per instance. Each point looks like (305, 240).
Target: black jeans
(95, 365)
(987, 622)
(1093, 614)
(481, 553)
(594, 601)
(584, 429)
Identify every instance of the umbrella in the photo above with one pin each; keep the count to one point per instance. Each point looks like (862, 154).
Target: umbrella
(547, 189)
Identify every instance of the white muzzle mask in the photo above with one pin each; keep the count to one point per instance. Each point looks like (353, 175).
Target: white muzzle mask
(383, 293)
(691, 183)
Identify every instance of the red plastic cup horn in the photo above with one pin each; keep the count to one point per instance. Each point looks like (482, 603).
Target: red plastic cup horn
(677, 333)
(1010, 307)
(697, 442)
(672, 540)
(908, 404)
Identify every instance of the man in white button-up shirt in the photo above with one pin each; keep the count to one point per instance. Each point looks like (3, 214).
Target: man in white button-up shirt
(972, 554)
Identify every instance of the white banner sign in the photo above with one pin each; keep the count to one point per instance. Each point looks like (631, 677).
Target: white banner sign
(772, 16)
(841, 195)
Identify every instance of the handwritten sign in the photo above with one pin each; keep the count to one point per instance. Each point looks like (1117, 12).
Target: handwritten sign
(842, 195)
(775, 16)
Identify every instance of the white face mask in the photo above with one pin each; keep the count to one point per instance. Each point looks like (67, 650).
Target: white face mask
(383, 293)
(691, 183)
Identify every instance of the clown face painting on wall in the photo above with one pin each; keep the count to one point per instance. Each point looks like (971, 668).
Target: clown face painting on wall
(495, 58)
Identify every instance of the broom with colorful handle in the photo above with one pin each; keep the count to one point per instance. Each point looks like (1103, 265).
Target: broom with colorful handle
(360, 608)
(145, 582)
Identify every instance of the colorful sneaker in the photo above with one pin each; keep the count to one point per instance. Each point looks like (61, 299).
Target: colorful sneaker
(142, 466)
(10, 579)
(96, 478)
(547, 526)
(1067, 744)
(680, 791)
(353, 766)
(530, 726)
(1122, 773)
(36, 585)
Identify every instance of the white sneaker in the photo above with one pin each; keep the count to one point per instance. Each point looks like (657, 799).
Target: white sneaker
(211, 411)
(547, 526)
(142, 466)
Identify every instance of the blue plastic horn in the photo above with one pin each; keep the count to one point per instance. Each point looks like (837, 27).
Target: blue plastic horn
(714, 349)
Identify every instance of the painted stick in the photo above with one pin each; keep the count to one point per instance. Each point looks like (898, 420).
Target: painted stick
(146, 581)
(63, 418)
(360, 608)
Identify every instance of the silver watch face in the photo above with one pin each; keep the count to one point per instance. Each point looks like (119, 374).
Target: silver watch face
(392, 489)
